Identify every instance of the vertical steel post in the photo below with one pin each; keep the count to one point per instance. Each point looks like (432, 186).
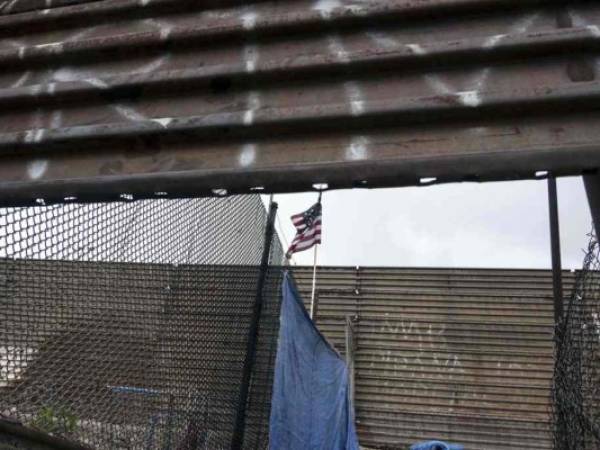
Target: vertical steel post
(237, 440)
(555, 246)
(315, 308)
(314, 285)
(592, 188)
(350, 346)
(169, 438)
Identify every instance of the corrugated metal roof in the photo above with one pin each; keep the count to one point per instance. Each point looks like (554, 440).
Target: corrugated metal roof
(464, 355)
(179, 97)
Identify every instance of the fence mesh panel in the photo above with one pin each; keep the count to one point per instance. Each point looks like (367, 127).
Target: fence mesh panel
(125, 325)
(576, 392)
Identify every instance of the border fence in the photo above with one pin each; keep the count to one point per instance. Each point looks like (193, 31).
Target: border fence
(461, 355)
(145, 325)
(576, 387)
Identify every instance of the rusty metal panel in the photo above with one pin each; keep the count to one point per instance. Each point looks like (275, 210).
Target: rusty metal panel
(459, 354)
(111, 98)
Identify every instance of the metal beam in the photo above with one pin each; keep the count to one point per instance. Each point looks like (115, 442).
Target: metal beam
(377, 158)
(119, 99)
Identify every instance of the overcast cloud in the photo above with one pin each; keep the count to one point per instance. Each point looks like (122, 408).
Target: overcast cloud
(453, 225)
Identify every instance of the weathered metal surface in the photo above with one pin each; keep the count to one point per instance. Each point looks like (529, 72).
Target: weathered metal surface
(19, 6)
(459, 354)
(107, 98)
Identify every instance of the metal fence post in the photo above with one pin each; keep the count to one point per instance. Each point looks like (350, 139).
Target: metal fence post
(237, 440)
(555, 245)
(315, 307)
(592, 188)
(168, 440)
(350, 347)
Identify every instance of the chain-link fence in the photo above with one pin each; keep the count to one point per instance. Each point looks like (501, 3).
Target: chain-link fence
(576, 392)
(125, 325)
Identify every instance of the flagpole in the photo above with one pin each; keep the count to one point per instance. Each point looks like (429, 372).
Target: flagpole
(314, 284)
(314, 280)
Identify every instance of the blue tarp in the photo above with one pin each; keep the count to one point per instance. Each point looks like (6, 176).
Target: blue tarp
(310, 407)
(436, 445)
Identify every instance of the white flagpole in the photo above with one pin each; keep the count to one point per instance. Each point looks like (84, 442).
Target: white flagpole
(314, 280)
(314, 284)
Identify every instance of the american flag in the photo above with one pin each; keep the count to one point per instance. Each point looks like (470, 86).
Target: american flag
(308, 229)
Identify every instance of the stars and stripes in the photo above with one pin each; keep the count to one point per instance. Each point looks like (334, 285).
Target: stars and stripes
(308, 229)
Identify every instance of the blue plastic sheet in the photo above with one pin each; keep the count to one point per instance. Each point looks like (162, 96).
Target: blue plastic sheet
(310, 408)
(436, 445)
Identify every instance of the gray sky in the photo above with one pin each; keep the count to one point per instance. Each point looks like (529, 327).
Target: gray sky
(452, 225)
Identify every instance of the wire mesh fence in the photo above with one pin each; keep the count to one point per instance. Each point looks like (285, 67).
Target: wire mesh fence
(576, 387)
(125, 325)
